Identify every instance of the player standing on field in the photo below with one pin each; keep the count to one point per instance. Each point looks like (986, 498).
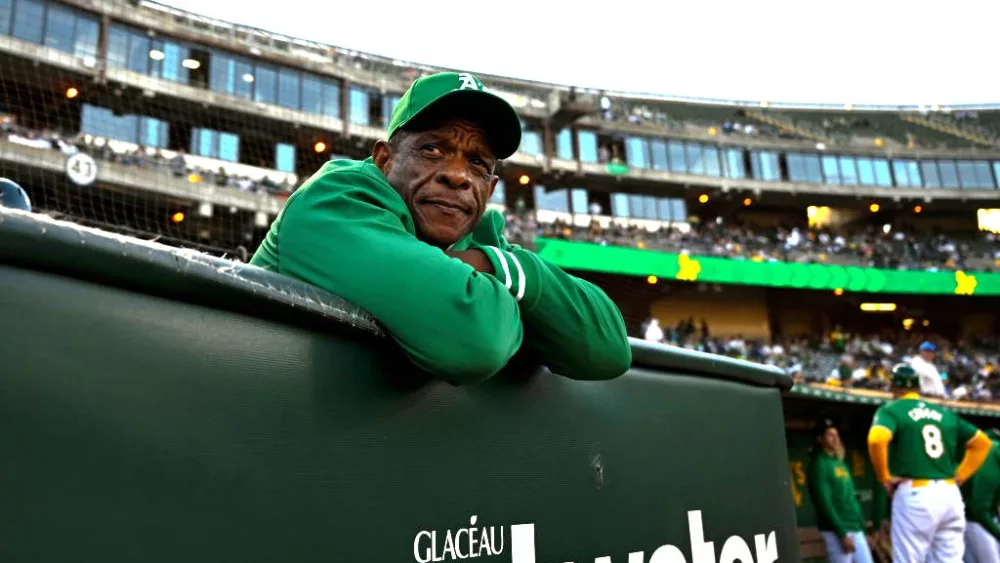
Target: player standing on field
(838, 512)
(981, 494)
(914, 447)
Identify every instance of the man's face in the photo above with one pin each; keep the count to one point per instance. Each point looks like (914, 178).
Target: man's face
(830, 439)
(445, 176)
(927, 355)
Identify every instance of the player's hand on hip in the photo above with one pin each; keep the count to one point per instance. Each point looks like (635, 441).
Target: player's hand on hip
(847, 543)
(891, 484)
(882, 534)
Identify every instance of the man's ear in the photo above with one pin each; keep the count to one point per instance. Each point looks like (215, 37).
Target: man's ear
(382, 156)
(493, 186)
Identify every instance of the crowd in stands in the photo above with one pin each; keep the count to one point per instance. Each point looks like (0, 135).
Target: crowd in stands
(894, 249)
(638, 114)
(967, 369)
(834, 127)
(891, 249)
(796, 356)
(175, 163)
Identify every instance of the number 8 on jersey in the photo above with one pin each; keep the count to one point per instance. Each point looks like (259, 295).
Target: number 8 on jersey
(932, 441)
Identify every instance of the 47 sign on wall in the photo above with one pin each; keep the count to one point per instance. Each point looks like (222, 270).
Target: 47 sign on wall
(81, 169)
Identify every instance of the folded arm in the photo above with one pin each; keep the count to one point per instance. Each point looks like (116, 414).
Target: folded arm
(571, 325)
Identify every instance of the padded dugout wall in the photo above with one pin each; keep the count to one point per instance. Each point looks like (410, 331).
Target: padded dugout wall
(157, 406)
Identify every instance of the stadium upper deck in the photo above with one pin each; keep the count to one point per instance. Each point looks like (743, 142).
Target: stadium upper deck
(876, 151)
(259, 106)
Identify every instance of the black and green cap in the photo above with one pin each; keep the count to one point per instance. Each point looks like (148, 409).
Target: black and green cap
(905, 377)
(822, 426)
(461, 94)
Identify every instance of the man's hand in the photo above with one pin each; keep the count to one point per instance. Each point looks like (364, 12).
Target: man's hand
(475, 258)
(847, 543)
(891, 484)
(879, 541)
(884, 533)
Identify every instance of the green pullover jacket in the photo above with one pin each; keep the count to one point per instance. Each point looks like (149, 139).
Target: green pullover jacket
(831, 488)
(347, 230)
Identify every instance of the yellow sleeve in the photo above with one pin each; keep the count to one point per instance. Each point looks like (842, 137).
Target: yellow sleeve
(878, 450)
(976, 451)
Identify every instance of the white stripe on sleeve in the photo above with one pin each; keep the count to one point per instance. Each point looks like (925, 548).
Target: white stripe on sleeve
(521, 281)
(503, 264)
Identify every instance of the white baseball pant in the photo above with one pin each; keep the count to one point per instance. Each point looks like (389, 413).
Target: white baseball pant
(928, 523)
(980, 545)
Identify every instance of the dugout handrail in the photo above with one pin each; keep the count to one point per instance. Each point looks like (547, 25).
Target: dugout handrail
(41, 243)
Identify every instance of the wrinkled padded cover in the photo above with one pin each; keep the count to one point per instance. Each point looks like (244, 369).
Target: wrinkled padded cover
(141, 425)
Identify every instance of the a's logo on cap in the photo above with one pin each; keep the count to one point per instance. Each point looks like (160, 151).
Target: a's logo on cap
(468, 82)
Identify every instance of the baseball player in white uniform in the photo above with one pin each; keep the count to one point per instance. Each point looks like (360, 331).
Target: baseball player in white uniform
(915, 447)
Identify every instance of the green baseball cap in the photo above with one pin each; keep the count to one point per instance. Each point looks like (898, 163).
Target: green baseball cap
(905, 377)
(465, 95)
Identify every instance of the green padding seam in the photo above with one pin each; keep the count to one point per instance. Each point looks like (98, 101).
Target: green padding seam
(674, 266)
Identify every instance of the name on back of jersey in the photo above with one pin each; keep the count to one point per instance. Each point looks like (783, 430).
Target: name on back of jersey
(922, 412)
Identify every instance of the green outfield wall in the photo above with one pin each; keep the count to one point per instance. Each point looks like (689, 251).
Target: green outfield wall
(674, 266)
(160, 406)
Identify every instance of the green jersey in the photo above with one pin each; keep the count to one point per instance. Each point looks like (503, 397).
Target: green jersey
(347, 230)
(928, 441)
(981, 493)
(831, 488)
